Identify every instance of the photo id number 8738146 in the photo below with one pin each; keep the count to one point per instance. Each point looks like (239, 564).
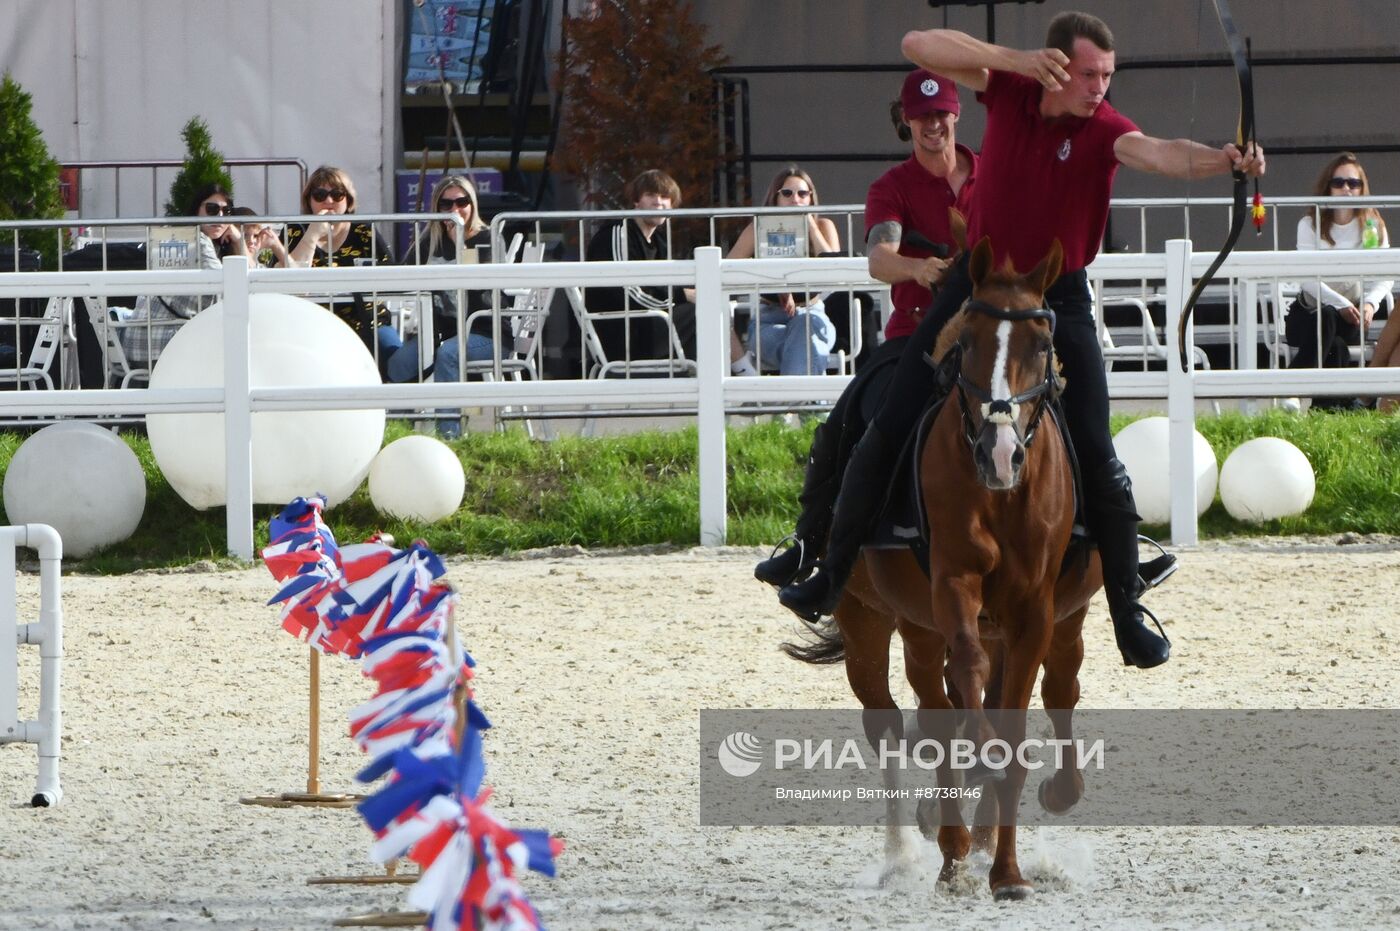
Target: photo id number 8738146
(948, 792)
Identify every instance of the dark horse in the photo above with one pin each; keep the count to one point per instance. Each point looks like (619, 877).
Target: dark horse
(1005, 596)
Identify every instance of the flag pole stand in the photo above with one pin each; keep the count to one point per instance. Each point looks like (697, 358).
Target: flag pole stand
(391, 876)
(417, 919)
(383, 920)
(313, 796)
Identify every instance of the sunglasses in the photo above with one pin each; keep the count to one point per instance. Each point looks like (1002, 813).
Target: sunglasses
(794, 193)
(1338, 183)
(336, 194)
(212, 209)
(447, 203)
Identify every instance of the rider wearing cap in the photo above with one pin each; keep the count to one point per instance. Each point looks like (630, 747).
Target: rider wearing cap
(1049, 154)
(912, 197)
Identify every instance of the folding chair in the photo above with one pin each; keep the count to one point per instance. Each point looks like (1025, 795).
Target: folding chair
(116, 367)
(46, 346)
(602, 366)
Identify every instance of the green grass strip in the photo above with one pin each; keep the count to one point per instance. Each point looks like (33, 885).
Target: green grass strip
(642, 489)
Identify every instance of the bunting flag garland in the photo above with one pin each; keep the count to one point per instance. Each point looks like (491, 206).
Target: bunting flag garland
(422, 728)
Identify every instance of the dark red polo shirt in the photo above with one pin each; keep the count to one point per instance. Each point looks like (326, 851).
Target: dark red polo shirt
(1043, 179)
(916, 200)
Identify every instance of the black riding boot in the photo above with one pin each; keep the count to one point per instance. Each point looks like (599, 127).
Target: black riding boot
(819, 489)
(1114, 519)
(863, 490)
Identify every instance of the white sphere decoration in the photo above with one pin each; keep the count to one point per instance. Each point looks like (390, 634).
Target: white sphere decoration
(1266, 478)
(79, 479)
(292, 342)
(1143, 448)
(417, 478)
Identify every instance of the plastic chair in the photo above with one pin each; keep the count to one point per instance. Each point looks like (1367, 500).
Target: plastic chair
(46, 346)
(116, 366)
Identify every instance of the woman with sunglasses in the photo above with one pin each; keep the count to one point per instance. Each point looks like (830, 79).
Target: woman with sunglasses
(156, 320)
(791, 337)
(437, 245)
(1338, 311)
(329, 192)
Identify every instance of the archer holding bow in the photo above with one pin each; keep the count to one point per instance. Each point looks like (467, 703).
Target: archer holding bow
(1050, 151)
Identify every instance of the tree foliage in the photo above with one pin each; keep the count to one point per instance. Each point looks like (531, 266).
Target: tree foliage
(638, 95)
(28, 174)
(204, 165)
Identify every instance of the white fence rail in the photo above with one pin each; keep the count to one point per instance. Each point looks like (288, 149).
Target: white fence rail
(710, 393)
(46, 730)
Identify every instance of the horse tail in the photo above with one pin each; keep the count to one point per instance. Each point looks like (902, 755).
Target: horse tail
(826, 646)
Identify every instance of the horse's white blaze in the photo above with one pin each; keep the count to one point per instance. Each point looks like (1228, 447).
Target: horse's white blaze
(1001, 391)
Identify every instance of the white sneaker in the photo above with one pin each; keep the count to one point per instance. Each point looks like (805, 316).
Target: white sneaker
(743, 367)
(1292, 405)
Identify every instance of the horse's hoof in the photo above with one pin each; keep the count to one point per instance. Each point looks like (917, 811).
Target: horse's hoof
(1013, 892)
(926, 814)
(1043, 794)
(980, 773)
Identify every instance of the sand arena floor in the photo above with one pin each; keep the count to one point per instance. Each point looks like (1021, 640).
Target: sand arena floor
(181, 694)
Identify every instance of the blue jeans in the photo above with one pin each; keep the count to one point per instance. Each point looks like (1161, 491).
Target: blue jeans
(796, 345)
(403, 367)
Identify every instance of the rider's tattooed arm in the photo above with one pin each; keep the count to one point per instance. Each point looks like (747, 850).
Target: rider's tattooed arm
(887, 265)
(881, 233)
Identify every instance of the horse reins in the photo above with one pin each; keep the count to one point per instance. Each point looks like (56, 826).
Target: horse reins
(1003, 411)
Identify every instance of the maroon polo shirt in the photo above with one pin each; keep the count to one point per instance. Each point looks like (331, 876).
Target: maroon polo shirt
(1043, 179)
(916, 200)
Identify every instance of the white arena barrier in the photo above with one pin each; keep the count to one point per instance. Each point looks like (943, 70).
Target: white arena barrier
(47, 634)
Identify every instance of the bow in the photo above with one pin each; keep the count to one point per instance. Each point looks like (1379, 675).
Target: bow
(1244, 132)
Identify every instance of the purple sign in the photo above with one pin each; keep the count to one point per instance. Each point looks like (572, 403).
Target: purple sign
(486, 181)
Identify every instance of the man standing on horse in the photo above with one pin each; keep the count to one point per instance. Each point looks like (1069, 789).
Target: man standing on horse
(1049, 154)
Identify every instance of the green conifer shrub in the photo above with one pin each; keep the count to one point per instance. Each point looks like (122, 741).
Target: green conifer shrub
(204, 164)
(28, 175)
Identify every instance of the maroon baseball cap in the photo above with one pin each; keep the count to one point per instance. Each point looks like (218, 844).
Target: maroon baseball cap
(925, 92)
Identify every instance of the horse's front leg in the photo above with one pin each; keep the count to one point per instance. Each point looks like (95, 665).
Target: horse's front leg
(924, 650)
(1023, 653)
(1059, 692)
(957, 601)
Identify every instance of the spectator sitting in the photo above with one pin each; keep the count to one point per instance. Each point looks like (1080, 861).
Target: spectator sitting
(437, 245)
(264, 247)
(1340, 310)
(791, 337)
(330, 192)
(638, 239)
(155, 321)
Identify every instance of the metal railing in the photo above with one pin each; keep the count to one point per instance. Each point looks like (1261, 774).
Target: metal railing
(155, 166)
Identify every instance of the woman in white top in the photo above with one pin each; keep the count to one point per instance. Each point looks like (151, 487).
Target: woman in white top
(790, 336)
(1347, 307)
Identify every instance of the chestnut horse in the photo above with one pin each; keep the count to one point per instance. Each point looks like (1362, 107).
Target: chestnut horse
(1002, 599)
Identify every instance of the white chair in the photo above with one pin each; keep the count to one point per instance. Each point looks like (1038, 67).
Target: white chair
(522, 323)
(47, 343)
(107, 324)
(1146, 345)
(602, 366)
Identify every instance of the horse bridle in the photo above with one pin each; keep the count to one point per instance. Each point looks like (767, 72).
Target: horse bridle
(1004, 411)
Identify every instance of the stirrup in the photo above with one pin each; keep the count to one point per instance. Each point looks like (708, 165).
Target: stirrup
(1156, 570)
(779, 551)
(1137, 606)
(793, 539)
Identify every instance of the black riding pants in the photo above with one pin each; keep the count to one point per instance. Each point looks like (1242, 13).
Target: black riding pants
(1085, 399)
